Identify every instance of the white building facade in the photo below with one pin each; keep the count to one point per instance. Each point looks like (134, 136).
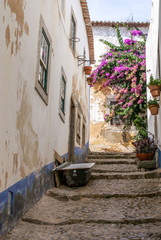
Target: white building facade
(44, 97)
(154, 67)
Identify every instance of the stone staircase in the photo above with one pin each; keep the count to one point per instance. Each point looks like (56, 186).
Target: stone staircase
(117, 166)
(119, 202)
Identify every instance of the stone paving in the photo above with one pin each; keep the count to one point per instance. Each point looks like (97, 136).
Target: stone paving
(118, 209)
(115, 168)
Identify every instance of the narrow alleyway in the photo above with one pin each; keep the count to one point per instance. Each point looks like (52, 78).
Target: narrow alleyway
(119, 202)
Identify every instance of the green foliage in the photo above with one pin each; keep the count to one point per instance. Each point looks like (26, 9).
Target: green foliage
(153, 81)
(140, 123)
(152, 101)
(111, 45)
(119, 37)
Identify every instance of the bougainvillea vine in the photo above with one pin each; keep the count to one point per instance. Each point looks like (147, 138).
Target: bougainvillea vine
(123, 68)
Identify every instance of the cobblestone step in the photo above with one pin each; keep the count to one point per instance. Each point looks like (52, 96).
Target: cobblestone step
(102, 188)
(102, 168)
(133, 175)
(112, 153)
(117, 203)
(124, 211)
(86, 231)
(111, 156)
(111, 161)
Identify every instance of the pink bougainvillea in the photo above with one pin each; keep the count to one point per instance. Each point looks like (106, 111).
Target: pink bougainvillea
(124, 69)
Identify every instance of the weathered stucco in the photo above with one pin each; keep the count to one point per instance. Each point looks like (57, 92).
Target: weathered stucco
(28, 137)
(104, 138)
(7, 37)
(13, 39)
(30, 129)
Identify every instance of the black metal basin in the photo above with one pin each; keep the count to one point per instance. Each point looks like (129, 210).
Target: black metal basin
(77, 174)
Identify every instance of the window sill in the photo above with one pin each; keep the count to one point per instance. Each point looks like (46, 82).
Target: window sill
(62, 115)
(43, 94)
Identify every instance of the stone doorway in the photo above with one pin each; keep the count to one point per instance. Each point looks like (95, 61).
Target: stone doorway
(72, 120)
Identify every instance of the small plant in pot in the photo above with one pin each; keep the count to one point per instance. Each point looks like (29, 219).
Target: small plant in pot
(154, 86)
(145, 148)
(90, 80)
(153, 106)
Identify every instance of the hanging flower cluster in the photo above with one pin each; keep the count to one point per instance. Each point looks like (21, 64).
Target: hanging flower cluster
(123, 69)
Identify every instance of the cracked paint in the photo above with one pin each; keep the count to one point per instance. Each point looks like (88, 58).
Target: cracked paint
(17, 8)
(15, 163)
(6, 179)
(7, 36)
(28, 137)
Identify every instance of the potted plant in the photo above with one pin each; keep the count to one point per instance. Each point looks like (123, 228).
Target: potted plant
(145, 148)
(153, 106)
(90, 80)
(154, 86)
(87, 70)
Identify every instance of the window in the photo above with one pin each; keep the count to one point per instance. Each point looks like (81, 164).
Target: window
(73, 33)
(44, 56)
(43, 62)
(116, 119)
(62, 96)
(78, 128)
(63, 86)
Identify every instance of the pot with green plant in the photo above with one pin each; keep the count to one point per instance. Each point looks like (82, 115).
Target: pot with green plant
(90, 80)
(154, 86)
(153, 106)
(145, 148)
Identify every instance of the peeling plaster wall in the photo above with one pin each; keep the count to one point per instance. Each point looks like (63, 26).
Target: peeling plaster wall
(31, 130)
(103, 135)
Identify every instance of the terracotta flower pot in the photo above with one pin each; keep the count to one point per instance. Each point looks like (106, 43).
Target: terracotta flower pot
(90, 80)
(155, 90)
(145, 156)
(153, 109)
(87, 70)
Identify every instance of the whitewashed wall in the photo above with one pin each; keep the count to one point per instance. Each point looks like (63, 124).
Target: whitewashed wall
(153, 62)
(30, 129)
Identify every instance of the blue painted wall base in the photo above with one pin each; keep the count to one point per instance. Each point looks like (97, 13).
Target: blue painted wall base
(20, 197)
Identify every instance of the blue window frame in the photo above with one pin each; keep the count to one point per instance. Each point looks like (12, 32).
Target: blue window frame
(73, 33)
(62, 94)
(44, 59)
